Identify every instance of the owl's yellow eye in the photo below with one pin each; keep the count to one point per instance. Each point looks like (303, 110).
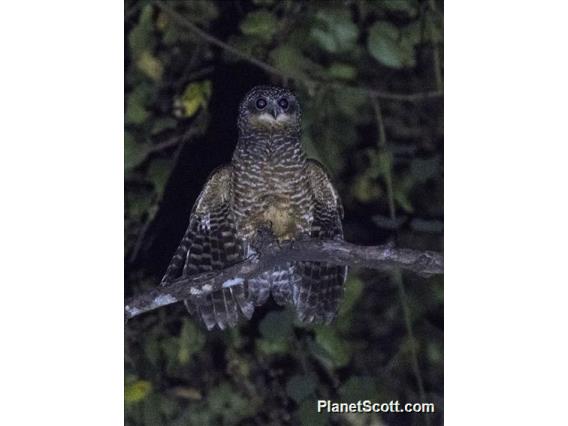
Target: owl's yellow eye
(261, 103)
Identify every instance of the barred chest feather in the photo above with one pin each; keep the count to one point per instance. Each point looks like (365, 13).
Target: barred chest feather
(270, 187)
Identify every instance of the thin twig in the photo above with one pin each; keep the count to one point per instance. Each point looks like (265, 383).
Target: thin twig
(187, 24)
(397, 278)
(142, 234)
(177, 141)
(396, 273)
(276, 254)
(196, 129)
(173, 141)
(183, 22)
(382, 144)
(436, 56)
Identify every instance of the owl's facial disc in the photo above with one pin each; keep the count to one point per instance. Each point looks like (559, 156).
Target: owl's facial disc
(271, 110)
(270, 107)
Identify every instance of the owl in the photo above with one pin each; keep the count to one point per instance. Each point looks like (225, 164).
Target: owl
(269, 184)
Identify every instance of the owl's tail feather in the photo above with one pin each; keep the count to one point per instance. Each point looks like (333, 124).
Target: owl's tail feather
(282, 280)
(319, 292)
(222, 308)
(259, 288)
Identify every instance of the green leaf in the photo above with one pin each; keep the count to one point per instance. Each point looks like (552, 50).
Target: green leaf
(350, 103)
(151, 410)
(411, 35)
(135, 111)
(434, 353)
(134, 153)
(366, 189)
(434, 27)
(358, 388)
(159, 172)
(335, 31)
(171, 33)
(203, 11)
(410, 7)
(137, 391)
(261, 24)
(152, 349)
(276, 328)
(140, 37)
(170, 349)
(163, 124)
(299, 387)
(139, 202)
(325, 39)
(402, 200)
(384, 163)
(290, 59)
(342, 71)
(195, 96)
(277, 325)
(309, 415)
(270, 347)
(335, 348)
(226, 402)
(191, 341)
(150, 65)
(385, 45)
(353, 291)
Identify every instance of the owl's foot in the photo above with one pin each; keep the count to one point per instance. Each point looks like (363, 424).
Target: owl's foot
(263, 237)
(303, 236)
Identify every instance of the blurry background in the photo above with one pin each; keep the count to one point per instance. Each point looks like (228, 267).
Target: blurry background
(368, 75)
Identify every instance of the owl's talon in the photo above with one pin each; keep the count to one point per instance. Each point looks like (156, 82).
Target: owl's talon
(390, 245)
(263, 237)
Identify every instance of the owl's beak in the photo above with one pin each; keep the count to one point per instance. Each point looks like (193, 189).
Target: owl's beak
(273, 111)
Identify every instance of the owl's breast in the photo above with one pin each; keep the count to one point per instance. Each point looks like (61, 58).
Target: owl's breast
(280, 216)
(271, 192)
(279, 213)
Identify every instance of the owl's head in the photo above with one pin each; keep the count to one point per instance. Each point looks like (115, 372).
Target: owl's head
(269, 108)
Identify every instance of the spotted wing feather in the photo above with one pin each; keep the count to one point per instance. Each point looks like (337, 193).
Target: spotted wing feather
(210, 243)
(319, 289)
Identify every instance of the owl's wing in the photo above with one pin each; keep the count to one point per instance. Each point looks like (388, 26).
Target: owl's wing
(320, 289)
(209, 244)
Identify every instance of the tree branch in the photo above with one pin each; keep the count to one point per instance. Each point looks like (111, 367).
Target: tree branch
(273, 254)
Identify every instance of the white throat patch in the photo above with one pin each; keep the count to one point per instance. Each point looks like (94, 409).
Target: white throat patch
(270, 119)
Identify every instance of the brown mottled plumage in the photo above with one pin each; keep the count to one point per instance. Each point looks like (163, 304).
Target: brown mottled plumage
(269, 183)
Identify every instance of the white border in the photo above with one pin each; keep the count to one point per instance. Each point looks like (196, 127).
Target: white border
(61, 174)
(505, 213)
(61, 171)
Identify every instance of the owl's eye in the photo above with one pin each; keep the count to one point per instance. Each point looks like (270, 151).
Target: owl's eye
(283, 103)
(261, 103)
